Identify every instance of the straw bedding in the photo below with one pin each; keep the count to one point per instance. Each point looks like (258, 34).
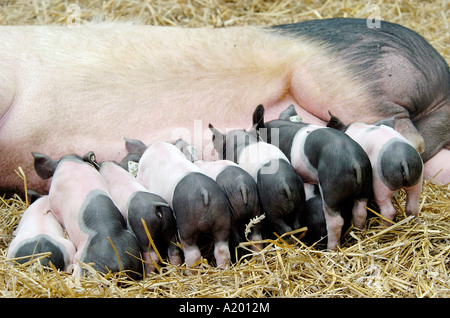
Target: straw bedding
(408, 259)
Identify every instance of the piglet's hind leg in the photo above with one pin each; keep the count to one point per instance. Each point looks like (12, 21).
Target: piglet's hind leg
(222, 254)
(359, 213)
(334, 227)
(412, 198)
(192, 254)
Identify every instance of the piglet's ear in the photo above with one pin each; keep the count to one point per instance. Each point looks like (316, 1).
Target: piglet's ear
(89, 157)
(216, 133)
(258, 117)
(218, 140)
(336, 123)
(135, 146)
(288, 113)
(390, 122)
(44, 165)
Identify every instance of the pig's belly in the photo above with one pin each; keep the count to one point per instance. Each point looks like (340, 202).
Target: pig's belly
(438, 167)
(58, 97)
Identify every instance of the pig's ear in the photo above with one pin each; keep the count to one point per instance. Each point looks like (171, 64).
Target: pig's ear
(89, 157)
(215, 132)
(288, 113)
(44, 165)
(218, 140)
(188, 150)
(258, 117)
(390, 122)
(135, 146)
(336, 123)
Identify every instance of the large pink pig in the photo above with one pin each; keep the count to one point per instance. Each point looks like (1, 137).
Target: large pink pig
(80, 201)
(39, 232)
(71, 90)
(396, 164)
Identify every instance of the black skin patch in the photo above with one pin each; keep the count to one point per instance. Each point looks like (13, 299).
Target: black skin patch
(42, 244)
(201, 207)
(242, 193)
(159, 219)
(340, 162)
(399, 165)
(101, 219)
(282, 197)
(365, 48)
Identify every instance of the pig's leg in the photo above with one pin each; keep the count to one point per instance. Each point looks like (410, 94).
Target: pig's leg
(383, 199)
(191, 251)
(333, 218)
(149, 267)
(255, 237)
(359, 213)
(222, 254)
(221, 248)
(438, 168)
(412, 198)
(335, 222)
(174, 253)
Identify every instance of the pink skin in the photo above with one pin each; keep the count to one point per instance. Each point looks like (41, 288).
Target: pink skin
(38, 219)
(213, 168)
(155, 159)
(157, 86)
(121, 185)
(438, 164)
(359, 213)
(334, 226)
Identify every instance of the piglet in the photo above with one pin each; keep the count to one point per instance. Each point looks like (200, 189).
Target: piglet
(326, 157)
(280, 188)
(136, 203)
(199, 204)
(396, 164)
(40, 232)
(79, 199)
(242, 193)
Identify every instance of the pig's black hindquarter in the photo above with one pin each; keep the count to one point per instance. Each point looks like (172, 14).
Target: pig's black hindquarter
(200, 206)
(101, 219)
(344, 169)
(43, 244)
(158, 218)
